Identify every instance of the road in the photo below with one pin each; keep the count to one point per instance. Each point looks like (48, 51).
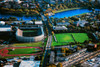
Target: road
(48, 46)
(49, 41)
(80, 57)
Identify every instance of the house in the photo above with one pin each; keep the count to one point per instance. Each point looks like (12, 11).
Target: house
(59, 28)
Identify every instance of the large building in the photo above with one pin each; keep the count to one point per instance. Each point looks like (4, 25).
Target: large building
(2, 23)
(30, 33)
(5, 28)
(11, 0)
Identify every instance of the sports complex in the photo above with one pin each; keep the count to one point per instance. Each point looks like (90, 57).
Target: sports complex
(66, 38)
(29, 33)
(20, 51)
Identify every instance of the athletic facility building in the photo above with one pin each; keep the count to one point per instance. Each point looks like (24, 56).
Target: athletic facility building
(30, 33)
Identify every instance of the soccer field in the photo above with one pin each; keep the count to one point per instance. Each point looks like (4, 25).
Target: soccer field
(66, 38)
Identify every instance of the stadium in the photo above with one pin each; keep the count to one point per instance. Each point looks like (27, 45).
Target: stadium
(30, 33)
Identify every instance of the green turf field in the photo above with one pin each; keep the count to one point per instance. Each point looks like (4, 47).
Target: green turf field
(24, 51)
(29, 30)
(36, 44)
(66, 38)
(80, 37)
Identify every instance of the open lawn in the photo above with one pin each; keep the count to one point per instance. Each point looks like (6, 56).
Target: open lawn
(36, 44)
(65, 10)
(66, 38)
(23, 51)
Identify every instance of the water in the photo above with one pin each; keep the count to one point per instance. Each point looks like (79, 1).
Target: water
(71, 13)
(23, 17)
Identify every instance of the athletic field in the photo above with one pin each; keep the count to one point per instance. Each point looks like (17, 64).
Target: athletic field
(20, 51)
(66, 38)
(23, 51)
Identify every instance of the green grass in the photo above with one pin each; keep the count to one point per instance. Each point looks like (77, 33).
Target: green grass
(23, 51)
(66, 38)
(65, 10)
(37, 44)
(29, 30)
(80, 37)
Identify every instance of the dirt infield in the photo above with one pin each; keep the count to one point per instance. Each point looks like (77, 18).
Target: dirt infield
(4, 52)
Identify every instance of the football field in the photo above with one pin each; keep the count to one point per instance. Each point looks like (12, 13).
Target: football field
(66, 38)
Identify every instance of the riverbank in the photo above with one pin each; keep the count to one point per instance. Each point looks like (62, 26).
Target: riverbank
(65, 10)
(70, 13)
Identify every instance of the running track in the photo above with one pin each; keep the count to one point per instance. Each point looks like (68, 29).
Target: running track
(4, 52)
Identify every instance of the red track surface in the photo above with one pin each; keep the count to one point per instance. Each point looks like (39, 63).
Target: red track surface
(4, 52)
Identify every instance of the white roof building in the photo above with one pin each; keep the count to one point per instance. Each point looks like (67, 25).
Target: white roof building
(8, 66)
(5, 28)
(63, 24)
(59, 28)
(12, 0)
(2, 23)
(81, 23)
(30, 64)
(38, 22)
(28, 22)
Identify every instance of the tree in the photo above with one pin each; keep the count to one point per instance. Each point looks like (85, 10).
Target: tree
(52, 47)
(51, 65)
(90, 0)
(19, 10)
(59, 65)
(98, 16)
(96, 1)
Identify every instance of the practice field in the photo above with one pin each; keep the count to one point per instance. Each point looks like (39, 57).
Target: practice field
(80, 37)
(66, 38)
